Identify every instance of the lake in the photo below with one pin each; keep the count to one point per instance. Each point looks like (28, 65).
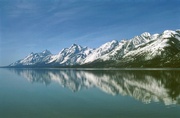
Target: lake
(89, 93)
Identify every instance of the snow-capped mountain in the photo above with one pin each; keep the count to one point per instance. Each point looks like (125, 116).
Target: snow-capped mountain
(101, 52)
(158, 50)
(34, 59)
(146, 50)
(67, 56)
(161, 50)
(71, 56)
(146, 86)
(113, 48)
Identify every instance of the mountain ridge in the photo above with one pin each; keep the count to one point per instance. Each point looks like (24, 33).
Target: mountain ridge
(145, 50)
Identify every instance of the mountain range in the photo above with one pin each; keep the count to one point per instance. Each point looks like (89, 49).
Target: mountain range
(146, 50)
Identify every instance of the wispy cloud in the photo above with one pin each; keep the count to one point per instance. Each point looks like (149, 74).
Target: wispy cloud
(19, 8)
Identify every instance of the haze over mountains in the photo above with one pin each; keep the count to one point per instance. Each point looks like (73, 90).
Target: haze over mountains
(146, 50)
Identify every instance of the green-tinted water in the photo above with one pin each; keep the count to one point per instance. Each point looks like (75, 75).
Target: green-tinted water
(75, 93)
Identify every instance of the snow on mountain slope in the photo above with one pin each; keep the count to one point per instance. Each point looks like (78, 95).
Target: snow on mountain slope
(109, 50)
(102, 51)
(127, 45)
(145, 46)
(33, 59)
(71, 56)
(156, 47)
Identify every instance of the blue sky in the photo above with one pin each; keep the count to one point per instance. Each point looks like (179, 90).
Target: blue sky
(35, 25)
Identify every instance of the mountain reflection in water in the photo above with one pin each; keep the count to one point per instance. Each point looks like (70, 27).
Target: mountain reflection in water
(146, 86)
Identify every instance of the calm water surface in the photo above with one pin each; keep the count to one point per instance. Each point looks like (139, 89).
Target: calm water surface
(76, 93)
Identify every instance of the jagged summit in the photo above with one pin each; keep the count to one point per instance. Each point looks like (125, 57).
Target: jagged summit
(102, 51)
(146, 34)
(46, 52)
(145, 50)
